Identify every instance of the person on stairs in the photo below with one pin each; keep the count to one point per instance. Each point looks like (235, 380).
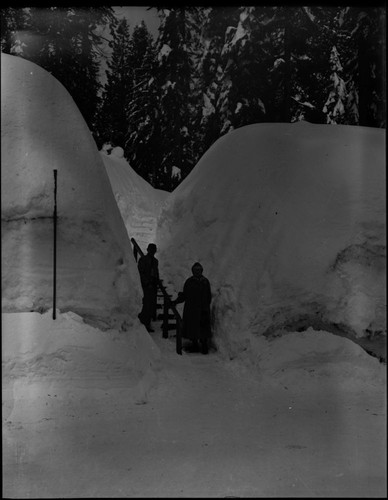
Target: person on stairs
(196, 312)
(148, 267)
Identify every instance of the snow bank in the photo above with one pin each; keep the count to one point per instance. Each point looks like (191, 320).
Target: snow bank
(35, 345)
(72, 357)
(139, 203)
(43, 130)
(288, 221)
(307, 360)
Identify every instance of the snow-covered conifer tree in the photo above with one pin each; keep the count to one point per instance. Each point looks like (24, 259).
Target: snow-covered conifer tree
(112, 118)
(363, 43)
(142, 144)
(334, 107)
(14, 25)
(66, 42)
(219, 21)
(180, 79)
(174, 77)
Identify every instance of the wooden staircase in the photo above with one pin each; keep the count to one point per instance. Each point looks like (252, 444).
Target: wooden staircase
(169, 314)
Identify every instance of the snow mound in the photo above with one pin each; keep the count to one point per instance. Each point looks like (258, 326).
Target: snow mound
(69, 360)
(139, 203)
(35, 345)
(305, 359)
(43, 130)
(288, 221)
(118, 151)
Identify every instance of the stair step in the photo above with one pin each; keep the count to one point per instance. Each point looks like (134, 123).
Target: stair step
(139, 225)
(143, 229)
(173, 322)
(169, 327)
(144, 218)
(169, 316)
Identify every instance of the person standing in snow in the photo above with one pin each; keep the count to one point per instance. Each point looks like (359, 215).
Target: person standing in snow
(149, 276)
(196, 312)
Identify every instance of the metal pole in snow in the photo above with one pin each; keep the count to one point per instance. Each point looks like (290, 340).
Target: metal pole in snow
(55, 246)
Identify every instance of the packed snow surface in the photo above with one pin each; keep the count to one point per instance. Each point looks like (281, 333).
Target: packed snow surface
(78, 421)
(288, 221)
(68, 351)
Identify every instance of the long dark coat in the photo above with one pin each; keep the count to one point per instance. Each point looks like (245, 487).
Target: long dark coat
(196, 312)
(149, 275)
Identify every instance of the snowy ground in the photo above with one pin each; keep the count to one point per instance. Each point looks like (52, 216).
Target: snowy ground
(204, 430)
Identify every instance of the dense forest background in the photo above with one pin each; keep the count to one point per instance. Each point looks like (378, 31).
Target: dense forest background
(209, 70)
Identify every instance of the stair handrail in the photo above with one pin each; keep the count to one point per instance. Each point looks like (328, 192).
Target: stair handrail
(167, 304)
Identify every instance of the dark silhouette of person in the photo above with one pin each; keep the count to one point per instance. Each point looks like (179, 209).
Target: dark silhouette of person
(196, 312)
(148, 267)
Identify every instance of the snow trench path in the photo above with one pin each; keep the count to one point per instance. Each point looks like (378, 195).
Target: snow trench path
(204, 431)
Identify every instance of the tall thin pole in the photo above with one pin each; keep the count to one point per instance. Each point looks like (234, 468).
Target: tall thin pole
(55, 247)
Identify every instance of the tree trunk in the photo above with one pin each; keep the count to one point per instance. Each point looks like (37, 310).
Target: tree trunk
(287, 71)
(363, 84)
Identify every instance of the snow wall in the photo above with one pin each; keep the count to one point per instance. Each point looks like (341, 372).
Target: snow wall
(288, 221)
(42, 130)
(139, 203)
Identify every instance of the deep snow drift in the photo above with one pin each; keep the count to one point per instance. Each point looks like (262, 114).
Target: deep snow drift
(74, 356)
(97, 278)
(288, 221)
(139, 203)
(42, 129)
